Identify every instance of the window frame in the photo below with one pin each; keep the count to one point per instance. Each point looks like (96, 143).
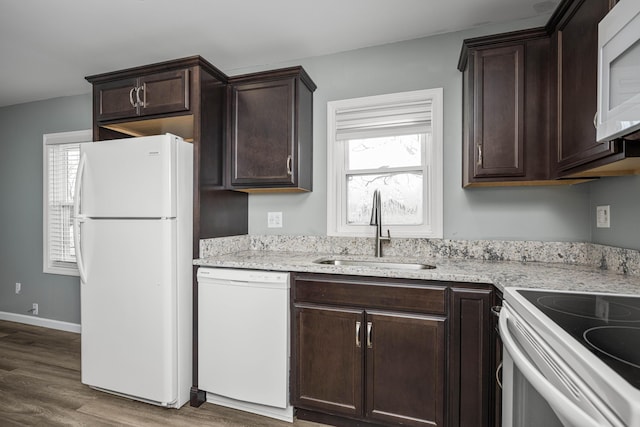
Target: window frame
(432, 226)
(49, 139)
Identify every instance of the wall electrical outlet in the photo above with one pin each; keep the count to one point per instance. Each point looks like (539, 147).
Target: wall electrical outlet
(274, 219)
(603, 216)
(34, 309)
(18, 287)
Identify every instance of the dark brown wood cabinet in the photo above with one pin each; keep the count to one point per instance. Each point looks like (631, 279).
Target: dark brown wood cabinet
(391, 352)
(271, 131)
(405, 368)
(529, 101)
(506, 86)
(575, 43)
(329, 340)
(403, 355)
(471, 351)
(159, 93)
(186, 97)
(498, 76)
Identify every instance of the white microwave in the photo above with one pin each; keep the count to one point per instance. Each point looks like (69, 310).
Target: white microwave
(619, 72)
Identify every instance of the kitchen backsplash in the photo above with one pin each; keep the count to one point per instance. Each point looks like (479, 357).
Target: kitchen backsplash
(619, 260)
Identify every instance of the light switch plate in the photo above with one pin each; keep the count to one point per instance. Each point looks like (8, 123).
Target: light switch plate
(603, 216)
(274, 219)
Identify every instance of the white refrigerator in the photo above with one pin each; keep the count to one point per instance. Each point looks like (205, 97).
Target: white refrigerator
(133, 240)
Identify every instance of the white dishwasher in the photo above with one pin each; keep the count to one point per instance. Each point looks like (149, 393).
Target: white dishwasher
(243, 340)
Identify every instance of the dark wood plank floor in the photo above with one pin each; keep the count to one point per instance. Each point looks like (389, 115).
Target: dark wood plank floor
(40, 386)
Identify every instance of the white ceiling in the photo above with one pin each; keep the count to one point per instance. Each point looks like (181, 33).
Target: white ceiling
(47, 47)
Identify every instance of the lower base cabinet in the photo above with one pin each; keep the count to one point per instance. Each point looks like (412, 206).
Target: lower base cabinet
(471, 351)
(390, 352)
(402, 356)
(405, 369)
(329, 372)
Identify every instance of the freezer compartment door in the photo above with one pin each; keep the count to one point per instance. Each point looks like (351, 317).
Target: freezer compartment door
(128, 310)
(129, 178)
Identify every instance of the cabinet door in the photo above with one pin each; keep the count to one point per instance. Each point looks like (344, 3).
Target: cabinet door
(405, 360)
(163, 93)
(262, 134)
(498, 143)
(329, 359)
(577, 50)
(470, 350)
(116, 99)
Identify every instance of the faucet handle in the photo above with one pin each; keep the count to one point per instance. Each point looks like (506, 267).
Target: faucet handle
(375, 208)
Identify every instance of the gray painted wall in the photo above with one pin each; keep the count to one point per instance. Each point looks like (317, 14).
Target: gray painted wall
(623, 195)
(524, 213)
(21, 130)
(532, 213)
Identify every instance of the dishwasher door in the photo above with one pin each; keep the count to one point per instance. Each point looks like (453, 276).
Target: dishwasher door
(243, 335)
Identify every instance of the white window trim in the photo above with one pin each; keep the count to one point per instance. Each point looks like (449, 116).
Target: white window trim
(433, 188)
(52, 139)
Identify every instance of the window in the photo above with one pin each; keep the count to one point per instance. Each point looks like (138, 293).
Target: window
(61, 154)
(392, 143)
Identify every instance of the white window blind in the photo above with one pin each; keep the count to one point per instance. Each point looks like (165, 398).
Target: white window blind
(398, 117)
(61, 158)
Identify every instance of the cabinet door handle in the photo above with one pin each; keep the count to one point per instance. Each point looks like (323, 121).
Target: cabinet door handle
(369, 330)
(595, 120)
(289, 160)
(133, 103)
(479, 155)
(141, 102)
(358, 334)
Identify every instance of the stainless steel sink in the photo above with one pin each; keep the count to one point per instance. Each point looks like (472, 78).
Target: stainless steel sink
(376, 264)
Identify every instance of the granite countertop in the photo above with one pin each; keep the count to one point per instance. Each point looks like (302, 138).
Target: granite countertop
(499, 273)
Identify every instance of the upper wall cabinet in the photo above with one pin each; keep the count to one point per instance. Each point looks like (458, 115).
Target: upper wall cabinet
(505, 86)
(158, 93)
(271, 131)
(575, 43)
(529, 101)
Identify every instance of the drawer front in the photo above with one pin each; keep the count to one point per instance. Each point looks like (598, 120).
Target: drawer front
(403, 296)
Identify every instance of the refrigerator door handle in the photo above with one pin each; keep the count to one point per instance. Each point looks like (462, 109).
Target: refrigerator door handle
(78, 218)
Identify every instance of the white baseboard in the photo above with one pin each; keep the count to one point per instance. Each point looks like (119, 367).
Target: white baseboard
(40, 321)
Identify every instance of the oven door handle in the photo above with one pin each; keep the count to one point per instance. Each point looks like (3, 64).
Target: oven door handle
(563, 406)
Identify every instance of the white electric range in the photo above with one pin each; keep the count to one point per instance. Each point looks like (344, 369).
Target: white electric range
(570, 359)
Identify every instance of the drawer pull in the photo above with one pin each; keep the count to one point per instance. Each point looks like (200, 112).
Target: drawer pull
(358, 334)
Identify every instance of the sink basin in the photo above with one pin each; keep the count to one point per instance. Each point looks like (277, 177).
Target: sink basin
(377, 264)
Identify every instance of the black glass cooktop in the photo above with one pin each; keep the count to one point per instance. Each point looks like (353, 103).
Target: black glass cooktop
(608, 326)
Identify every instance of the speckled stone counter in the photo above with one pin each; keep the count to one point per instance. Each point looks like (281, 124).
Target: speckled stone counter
(544, 275)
